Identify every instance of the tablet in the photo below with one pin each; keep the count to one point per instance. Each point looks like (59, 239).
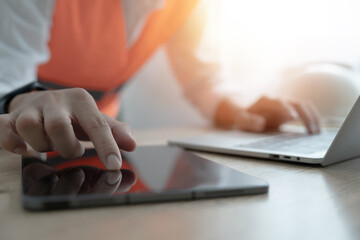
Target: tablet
(149, 174)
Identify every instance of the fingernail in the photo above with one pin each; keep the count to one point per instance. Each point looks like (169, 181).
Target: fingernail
(131, 135)
(113, 162)
(20, 150)
(113, 177)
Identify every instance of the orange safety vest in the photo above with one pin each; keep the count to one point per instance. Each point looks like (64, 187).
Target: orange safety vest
(88, 46)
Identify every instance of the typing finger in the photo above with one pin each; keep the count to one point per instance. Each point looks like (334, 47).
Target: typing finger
(250, 122)
(274, 108)
(307, 117)
(315, 117)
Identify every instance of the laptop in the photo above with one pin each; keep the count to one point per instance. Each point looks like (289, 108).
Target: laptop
(329, 147)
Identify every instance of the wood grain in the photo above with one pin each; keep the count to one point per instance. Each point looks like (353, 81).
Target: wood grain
(304, 202)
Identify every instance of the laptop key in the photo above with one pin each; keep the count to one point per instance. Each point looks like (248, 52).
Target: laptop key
(302, 143)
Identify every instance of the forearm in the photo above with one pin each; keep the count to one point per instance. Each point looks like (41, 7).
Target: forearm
(195, 61)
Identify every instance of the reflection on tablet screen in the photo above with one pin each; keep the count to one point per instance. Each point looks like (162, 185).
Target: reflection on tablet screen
(157, 173)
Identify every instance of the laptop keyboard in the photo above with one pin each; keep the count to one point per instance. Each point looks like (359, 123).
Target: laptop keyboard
(301, 143)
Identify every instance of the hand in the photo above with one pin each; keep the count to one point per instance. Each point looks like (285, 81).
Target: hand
(266, 114)
(57, 120)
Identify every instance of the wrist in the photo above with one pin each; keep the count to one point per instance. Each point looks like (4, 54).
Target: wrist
(7, 99)
(227, 110)
(14, 102)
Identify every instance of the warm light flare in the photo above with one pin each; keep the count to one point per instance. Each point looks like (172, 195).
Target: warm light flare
(261, 38)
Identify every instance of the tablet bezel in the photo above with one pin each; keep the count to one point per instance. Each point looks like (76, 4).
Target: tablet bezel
(253, 185)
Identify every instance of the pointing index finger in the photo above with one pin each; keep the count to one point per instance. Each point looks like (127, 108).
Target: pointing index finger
(99, 132)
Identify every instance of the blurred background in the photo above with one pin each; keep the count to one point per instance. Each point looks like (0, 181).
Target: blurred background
(292, 48)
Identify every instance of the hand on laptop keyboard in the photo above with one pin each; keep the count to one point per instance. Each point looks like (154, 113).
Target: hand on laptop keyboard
(266, 114)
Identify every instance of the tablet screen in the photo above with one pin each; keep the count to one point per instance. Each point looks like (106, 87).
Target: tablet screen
(154, 173)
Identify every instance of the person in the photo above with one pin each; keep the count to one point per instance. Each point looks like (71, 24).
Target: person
(84, 51)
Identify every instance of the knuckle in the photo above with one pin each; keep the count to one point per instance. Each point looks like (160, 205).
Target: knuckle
(8, 137)
(6, 140)
(98, 122)
(265, 99)
(44, 97)
(56, 125)
(5, 121)
(26, 122)
(47, 94)
(124, 126)
(81, 94)
(9, 140)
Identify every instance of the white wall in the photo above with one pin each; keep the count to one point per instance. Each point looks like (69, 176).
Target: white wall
(153, 98)
(259, 40)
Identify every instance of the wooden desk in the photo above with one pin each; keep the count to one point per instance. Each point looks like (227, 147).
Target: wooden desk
(304, 202)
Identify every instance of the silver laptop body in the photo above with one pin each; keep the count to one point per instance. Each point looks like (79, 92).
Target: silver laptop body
(331, 146)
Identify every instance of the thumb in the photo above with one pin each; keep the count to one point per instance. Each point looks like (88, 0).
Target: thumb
(250, 122)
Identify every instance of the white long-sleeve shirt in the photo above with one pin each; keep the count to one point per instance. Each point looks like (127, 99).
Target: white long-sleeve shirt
(25, 30)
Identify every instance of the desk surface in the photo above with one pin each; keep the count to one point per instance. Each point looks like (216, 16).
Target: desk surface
(304, 202)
